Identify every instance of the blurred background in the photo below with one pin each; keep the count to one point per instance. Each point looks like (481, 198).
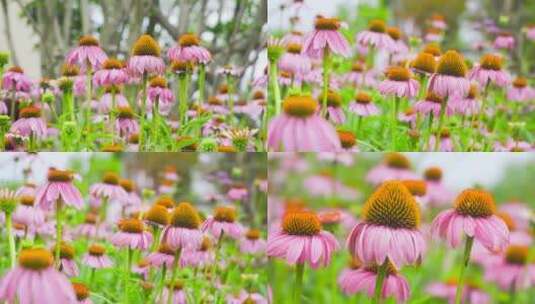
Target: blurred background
(465, 18)
(38, 33)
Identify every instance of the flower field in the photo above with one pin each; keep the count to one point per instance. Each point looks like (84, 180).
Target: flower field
(364, 228)
(89, 234)
(367, 79)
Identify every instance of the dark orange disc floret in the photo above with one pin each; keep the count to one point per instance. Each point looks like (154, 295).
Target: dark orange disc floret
(390, 268)
(300, 106)
(66, 251)
(377, 26)
(517, 254)
(97, 250)
(252, 234)
(157, 214)
(433, 49)
(88, 40)
(398, 73)
(520, 82)
(56, 175)
(416, 187)
(90, 218)
(189, 39)
(159, 82)
(433, 174)
(27, 200)
(165, 249)
(69, 70)
(225, 214)
(392, 205)
(301, 223)
(127, 184)
(178, 66)
(112, 148)
(125, 112)
(355, 263)
(81, 291)
(30, 112)
(491, 62)
(507, 219)
(166, 201)
(334, 99)
(146, 46)
(393, 32)
(206, 244)
(432, 97)
(131, 225)
(185, 216)
(258, 95)
(397, 160)
(473, 93)
(452, 64)
(16, 69)
(35, 259)
(112, 64)
(475, 203)
(329, 24)
(347, 138)
(363, 98)
(294, 48)
(111, 178)
(424, 62)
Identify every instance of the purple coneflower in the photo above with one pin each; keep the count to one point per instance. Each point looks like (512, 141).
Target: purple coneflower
(300, 128)
(335, 113)
(15, 80)
(82, 293)
(363, 105)
(326, 36)
(112, 73)
(489, 71)
(25, 282)
(66, 263)
(437, 194)
(473, 293)
(223, 222)
(145, 58)
(126, 124)
(395, 166)
(512, 271)
(106, 101)
(432, 105)
(132, 235)
(88, 54)
(59, 189)
(399, 83)
(96, 257)
(27, 214)
(520, 91)
(159, 96)
(376, 36)
(252, 242)
(30, 123)
(445, 144)
(398, 45)
(163, 256)
(504, 40)
(183, 231)
(449, 79)
(295, 62)
(189, 49)
(199, 257)
(109, 189)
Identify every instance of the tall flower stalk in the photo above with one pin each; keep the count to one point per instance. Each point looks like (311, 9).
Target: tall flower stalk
(275, 51)
(8, 203)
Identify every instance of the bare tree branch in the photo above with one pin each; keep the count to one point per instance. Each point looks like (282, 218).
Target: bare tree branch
(7, 28)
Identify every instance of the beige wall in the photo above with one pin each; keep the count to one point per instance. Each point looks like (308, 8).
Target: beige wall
(23, 39)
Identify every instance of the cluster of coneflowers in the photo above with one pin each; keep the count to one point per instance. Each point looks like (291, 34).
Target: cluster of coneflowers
(382, 93)
(104, 104)
(404, 217)
(113, 246)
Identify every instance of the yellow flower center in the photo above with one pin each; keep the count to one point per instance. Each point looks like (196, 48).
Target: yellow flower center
(88, 40)
(185, 216)
(398, 73)
(69, 70)
(424, 62)
(433, 49)
(112, 64)
(294, 48)
(111, 178)
(347, 139)
(393, 32)
(158, 214)
(55, 175)
(433, 174)
(146, 46)
(35, 259)
(491, 62)
(166, 201)
(252, 234)
(81, 291)
(330, 24)
(131, 225)
(30, 112)
(432, 97)
(452, 64)
(377, 26)
(520, 82)
(302, 223)
(96, 250)
(475, 203)
(517, 254)
(397, 160)
(225, 214)
(189, 40)
(416, 187)
(300, 106)
(159, 82)
(392, 205)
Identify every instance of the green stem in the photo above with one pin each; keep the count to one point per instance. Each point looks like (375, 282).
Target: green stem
(88, 96)
(59, 230)
(158, 291)
(394, 123)
(156, 235)
(359, 123)
(183, 98)
(112, 116)
(298, 291)
(326, 75)
(142, 111)
(173, 275)
(127, 274)
(201, 80)
(464, 265)
(381, 275)
(230, 85)
(11, 239)
(440, 123)
(275, 92)
(92, 276)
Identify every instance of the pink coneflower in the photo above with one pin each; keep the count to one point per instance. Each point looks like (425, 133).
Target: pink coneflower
(399, 83)
(445, 145)
(24, 283)
(237, 192)
(247, 298)
(530, 32)
(392, 215)
(302, 240)
(325, 185)
(132, 199)
(202, 256)
(471, 294)
(132, 234)
(59, 187)
(520, 91)
(66, 263)
(449, 79)
(145, 58)
(126, 124)
(82, 293)
(513, 271)
(520, 212)
(89, 228)
(183, 231)
(30, 123)
(438, 21)
(295, 62)
(408, 116)
(223, 222)
(398, 45)
(360, 278)
(437, 194)
(87, 54)
(252, 242)
(3, 108)
(163, 256)
(300, 128)
(112, 73)
(433, 35)
(359, 77)
(469, 105)
(473, 214)
(335, 113)
(96, 257)
(432, 105)
(27, 214)
(376, 36)
(489, 71)
(178, 295)
(512, 145)
(159, 96)
(109, 188)
(14, 79)
(105, 102)
(326, 37)
(189, 49)
(395, 167)
(505, 41)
